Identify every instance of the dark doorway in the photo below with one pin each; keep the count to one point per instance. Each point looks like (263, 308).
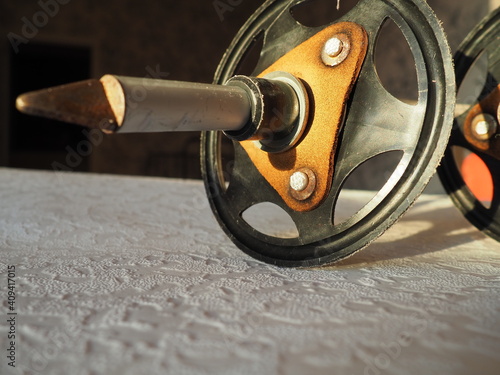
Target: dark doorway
(39, 143)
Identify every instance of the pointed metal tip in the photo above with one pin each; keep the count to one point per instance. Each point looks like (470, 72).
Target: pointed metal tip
(83, 103)
(21, 104)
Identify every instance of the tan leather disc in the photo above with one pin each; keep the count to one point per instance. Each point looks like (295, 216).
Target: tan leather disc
(329, 88)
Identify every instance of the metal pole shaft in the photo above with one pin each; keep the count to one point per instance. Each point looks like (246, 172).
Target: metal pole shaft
(164, 106)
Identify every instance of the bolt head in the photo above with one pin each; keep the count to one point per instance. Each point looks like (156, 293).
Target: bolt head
(336, 49)
(484, 126)
(302, 184)
(299, 181)
(333, 47)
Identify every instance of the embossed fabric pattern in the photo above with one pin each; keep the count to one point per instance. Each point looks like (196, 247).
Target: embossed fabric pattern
(127, 275)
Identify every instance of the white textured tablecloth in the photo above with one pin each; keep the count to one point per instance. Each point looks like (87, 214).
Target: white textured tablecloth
(122, 275)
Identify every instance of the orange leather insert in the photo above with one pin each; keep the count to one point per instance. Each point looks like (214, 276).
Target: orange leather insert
(329, 89)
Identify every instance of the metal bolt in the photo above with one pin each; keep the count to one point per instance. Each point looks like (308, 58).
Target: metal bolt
(336, 50)
(484, 126)
(333, 47)
(299, 181)
(302, 184)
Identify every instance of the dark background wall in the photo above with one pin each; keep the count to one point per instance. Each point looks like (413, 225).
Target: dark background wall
(178, 40)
